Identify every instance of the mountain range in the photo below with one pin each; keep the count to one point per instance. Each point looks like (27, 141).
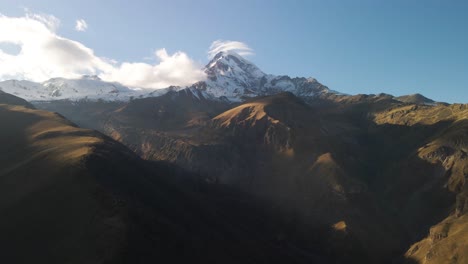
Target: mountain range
(243, 167)
(229, 77)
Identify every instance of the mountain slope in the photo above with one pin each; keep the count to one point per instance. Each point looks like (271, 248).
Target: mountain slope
(72, 195)
(6, 98)
(275, 148)
(53, 210)
(438, 194)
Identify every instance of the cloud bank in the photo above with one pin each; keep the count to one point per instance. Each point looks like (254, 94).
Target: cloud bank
(175, 69)
(44, 54)
(81, 25)
(229, 45)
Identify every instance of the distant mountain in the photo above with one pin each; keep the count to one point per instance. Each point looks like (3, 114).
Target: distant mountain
(87, 87)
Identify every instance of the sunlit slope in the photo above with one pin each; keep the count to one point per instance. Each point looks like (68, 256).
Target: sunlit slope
(447, 242)
(434, 177)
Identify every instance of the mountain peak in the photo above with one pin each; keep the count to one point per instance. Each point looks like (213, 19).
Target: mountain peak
(231, 75)
(415, 99)
(229, 63)
(224, 54)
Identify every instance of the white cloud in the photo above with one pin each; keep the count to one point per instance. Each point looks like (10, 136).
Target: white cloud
(228, 45)
(44, 55)
(176, 69)
(49, 21)
(81, 25)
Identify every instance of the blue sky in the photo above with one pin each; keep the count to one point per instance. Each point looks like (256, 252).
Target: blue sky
(397, 47)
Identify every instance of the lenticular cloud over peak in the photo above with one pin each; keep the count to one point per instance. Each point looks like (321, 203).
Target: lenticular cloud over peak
(43, 54)
(229, 45)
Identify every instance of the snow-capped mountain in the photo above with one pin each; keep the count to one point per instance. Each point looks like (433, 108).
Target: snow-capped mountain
(230, 75)
(90, 87)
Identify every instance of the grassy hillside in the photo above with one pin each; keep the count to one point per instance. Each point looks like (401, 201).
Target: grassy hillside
(437, 196)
